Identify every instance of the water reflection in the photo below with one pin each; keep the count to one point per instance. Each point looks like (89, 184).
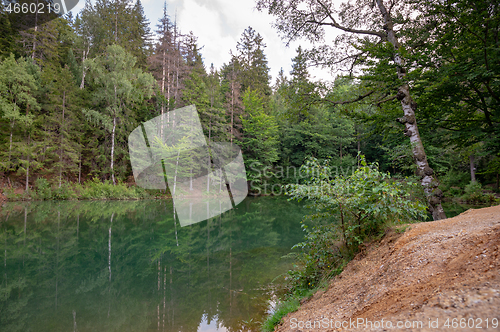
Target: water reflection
(129, 266)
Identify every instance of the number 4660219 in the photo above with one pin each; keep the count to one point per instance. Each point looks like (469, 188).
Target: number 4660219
(477, 323)
(33, 8)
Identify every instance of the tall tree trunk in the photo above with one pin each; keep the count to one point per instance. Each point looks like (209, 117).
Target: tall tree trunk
(232, 104)
(61, 147)
(113, 141)
(82, 84)
(428, 179)
(28, 164)
(10, 140)
(80, 169)
(113, 150)
(472, 168)
(209, 159)
(162, 93)
(34, 35)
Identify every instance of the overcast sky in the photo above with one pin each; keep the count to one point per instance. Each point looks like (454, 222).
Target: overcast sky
(218, 24)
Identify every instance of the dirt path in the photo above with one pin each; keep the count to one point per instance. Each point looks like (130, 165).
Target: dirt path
(437, 276)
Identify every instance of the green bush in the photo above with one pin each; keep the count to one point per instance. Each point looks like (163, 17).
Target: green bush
(95, 189)
(347, 209)
(64, 192)
(474, 194)
(321, 256)
(43, 190)
(453, 181)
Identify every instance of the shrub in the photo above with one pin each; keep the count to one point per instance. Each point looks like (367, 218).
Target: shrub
(474, 194)
(43, 190)
(347, 210)
(64, 192)
(95, 189)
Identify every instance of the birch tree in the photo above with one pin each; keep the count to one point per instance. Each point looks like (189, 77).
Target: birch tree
(118, 87)
(367, 36)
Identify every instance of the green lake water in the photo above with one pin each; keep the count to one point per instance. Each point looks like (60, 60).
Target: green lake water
(127, 266)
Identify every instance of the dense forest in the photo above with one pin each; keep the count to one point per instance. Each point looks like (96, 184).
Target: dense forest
(73, 88)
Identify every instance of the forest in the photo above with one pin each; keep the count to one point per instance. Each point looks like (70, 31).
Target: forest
(415, 87)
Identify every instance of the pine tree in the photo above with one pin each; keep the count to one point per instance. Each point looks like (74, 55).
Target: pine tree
(61, 146)
(218, 126)
(300, 90)
(166, 63)
(18, 85)
(231, 88)
(254, 73)
(140, 35)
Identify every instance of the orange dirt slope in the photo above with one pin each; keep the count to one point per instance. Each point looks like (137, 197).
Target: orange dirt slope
(437, 276)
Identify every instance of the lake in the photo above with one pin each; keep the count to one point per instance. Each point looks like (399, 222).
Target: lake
(128, 266)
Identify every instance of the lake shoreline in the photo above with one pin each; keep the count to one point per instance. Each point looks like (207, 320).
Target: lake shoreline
(431, 271)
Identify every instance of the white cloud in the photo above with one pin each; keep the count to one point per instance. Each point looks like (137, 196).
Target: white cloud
(218, 24)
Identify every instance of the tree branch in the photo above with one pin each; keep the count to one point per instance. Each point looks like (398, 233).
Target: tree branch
(346, 29)
(384, 100)
(358, 98)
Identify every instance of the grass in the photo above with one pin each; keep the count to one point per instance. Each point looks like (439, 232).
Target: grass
(290, 304)
(90, 190)
(282, 309)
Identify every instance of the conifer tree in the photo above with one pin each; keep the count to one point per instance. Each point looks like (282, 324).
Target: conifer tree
(254, 71)
(61, 146)
(231, 88)
(18, 85)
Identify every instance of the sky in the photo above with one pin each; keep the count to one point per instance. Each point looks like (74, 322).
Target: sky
(218, 24)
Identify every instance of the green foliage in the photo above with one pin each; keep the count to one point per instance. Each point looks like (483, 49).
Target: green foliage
(260, 142)
(321, 257)
(64, 192)
(282, 309)
(43, 189)
(346, 211)
(474, 194)
(96, 189)
(91, 190)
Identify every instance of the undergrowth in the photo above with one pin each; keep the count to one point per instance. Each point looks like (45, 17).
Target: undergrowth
(347, 211)
(90, 190)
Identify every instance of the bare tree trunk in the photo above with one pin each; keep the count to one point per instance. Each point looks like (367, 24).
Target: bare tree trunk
(80, 169)
(34, 35)
(28, 165)
(232, 104)
(61, 147)
(10, 140)
(428, 179)
(116, 21)
(472, 168)
(208, 165)
(113, 142)
(82, 84)
(113, 150)
(162, 93)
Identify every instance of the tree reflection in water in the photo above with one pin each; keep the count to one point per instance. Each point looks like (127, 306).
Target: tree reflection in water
(128, 266)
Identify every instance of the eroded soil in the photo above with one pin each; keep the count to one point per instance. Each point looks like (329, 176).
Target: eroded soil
(437, 276)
